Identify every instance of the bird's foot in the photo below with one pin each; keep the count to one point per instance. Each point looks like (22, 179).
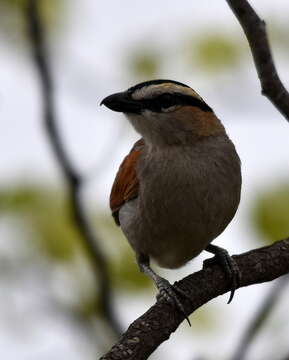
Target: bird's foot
(170, 293)
(229, 265)
(167, 292)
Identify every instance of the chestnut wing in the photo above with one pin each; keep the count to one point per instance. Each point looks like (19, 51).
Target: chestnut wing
(126, 185)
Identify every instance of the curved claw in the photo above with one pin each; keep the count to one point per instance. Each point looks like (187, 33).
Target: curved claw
(232, 270)
(234, 273)
(169, 293)
(229, 265)
(232, 293)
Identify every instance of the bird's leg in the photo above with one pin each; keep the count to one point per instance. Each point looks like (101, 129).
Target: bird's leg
(166, 290)
(228, 263)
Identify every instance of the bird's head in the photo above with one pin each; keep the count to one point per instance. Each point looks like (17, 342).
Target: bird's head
(166, 112)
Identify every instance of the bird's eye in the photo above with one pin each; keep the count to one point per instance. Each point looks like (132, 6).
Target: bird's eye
(166, 100)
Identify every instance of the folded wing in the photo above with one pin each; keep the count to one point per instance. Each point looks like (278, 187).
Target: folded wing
(126, 185)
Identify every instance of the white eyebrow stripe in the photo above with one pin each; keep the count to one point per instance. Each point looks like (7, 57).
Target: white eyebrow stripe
(151, 91)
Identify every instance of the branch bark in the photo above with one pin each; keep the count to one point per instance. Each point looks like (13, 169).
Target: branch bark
(146, 333)
(255, 31)
(73, 179)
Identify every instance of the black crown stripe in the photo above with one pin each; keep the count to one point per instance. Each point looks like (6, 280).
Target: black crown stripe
(156, 105)
(154, 82)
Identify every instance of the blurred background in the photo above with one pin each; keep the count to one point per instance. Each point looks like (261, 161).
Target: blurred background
(49, 292)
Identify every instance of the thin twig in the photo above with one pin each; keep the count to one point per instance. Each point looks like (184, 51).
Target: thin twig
(272, 87)
(260, 318)
(146, 333)
(255, 31)
(73, 179)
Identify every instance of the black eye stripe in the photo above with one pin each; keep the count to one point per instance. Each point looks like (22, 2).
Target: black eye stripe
(159, 102)
(167, 100)
(192, 101)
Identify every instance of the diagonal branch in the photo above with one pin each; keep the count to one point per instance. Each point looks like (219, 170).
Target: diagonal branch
(146, 333)
(255, 31)
(73, 179)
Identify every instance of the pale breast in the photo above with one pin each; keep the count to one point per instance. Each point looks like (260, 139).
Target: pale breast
(186, 199)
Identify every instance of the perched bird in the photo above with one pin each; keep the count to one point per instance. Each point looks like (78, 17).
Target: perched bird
(179, 187)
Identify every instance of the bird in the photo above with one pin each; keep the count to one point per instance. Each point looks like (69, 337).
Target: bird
(179, 186)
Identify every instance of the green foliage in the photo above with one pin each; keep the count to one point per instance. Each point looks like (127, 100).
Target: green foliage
(13, 28)
(49, 9)
(17, 199)
(209, 51)
(42, 212)
(124, 270)
(88, 307)
(144, 63)
(215, 52)
(44, 220)
(126, 274)
(271, 213)
(45, 214)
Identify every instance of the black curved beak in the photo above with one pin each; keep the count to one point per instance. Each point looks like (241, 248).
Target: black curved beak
(121, 102)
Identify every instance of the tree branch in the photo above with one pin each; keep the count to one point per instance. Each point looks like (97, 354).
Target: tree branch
(146, 333)
(73, 179)
(255, 31)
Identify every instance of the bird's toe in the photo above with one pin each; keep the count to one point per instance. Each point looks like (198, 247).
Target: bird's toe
(170, 294)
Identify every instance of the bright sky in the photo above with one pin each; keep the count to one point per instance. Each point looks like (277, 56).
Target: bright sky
(89, 65)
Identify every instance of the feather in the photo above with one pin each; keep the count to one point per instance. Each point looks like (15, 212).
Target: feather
(126, 184)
